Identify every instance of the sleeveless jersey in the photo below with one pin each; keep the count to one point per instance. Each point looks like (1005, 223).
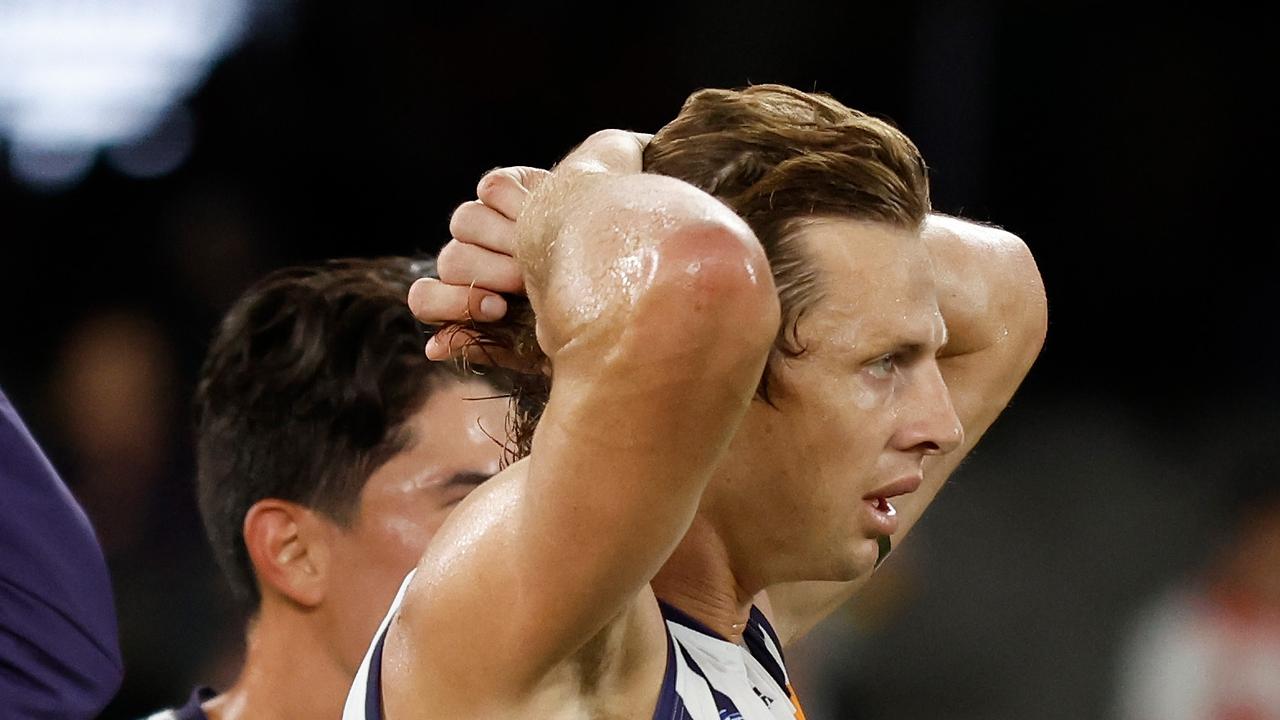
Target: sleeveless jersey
(707, 676)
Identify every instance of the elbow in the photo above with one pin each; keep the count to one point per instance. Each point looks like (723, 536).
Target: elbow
(664, 266)
(1028, 307)
(1029, 288)
(712, 280)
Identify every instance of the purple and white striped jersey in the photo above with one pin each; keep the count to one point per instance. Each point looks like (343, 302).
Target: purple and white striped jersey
(707, 676)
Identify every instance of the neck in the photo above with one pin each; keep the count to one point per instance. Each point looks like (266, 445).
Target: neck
(289, 671)
(698, 579)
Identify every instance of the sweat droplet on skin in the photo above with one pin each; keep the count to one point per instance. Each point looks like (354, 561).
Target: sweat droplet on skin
(633, 273)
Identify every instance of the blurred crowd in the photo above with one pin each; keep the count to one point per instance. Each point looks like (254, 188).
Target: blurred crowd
(122, 443)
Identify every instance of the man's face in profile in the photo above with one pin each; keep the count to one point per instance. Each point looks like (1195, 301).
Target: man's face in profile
(856, 412)
(404, 502)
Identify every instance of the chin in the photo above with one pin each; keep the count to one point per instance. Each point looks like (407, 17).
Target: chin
(858, 561)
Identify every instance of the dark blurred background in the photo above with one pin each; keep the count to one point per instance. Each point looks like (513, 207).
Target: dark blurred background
(1125, 144)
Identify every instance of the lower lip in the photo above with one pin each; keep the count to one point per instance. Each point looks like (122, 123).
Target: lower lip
(884, 518)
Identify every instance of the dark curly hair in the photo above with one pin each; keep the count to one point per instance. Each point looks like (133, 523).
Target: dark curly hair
(304, 393)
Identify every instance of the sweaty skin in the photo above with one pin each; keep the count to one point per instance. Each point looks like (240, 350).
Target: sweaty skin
(919, 342)
(993, 303)
(566, 541)
(300, 658)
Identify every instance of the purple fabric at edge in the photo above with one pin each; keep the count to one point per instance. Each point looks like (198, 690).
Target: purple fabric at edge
(59, 651)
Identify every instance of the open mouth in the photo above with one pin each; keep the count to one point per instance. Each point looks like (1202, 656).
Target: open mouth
(883, 505)
(884, 516)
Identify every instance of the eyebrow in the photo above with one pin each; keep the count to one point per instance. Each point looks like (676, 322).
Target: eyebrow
(903, 346)
(911, 342)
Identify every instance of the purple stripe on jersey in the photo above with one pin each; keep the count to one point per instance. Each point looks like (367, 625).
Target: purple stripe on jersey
(373, 690)
(374, 687)
(679, 617)
(763, 622)
(670, 705)
(757, 627)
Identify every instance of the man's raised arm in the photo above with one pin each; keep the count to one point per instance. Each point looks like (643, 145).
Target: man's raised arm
(656, 309)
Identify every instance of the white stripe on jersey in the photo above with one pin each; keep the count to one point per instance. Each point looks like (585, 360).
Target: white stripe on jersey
(354, 708)
(731, 671)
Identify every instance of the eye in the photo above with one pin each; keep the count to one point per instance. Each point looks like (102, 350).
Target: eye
(460, 486)
(882, 367)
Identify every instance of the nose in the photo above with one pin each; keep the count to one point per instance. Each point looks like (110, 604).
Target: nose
(929, 424)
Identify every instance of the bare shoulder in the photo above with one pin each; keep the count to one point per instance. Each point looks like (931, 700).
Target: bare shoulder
(425, 656)
(442, 659)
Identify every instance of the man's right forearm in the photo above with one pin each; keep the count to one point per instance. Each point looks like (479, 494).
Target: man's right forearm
(657, 310)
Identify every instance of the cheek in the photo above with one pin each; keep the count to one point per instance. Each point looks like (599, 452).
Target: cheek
(409, 534)
(397, 538)
(866, 396)
(844, 442)
(850, 408)
(867, 408)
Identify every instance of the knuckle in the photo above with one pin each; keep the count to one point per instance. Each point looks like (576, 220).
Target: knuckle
(451, 256)
(607, 135)
(418, 293)
(613, 140)
(495, 182)
(528, 178)
(464, 217)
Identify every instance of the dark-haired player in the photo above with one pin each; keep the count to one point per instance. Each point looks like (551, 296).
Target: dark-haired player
(329, 452)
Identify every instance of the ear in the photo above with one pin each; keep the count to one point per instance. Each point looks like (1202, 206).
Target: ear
(289, 549)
